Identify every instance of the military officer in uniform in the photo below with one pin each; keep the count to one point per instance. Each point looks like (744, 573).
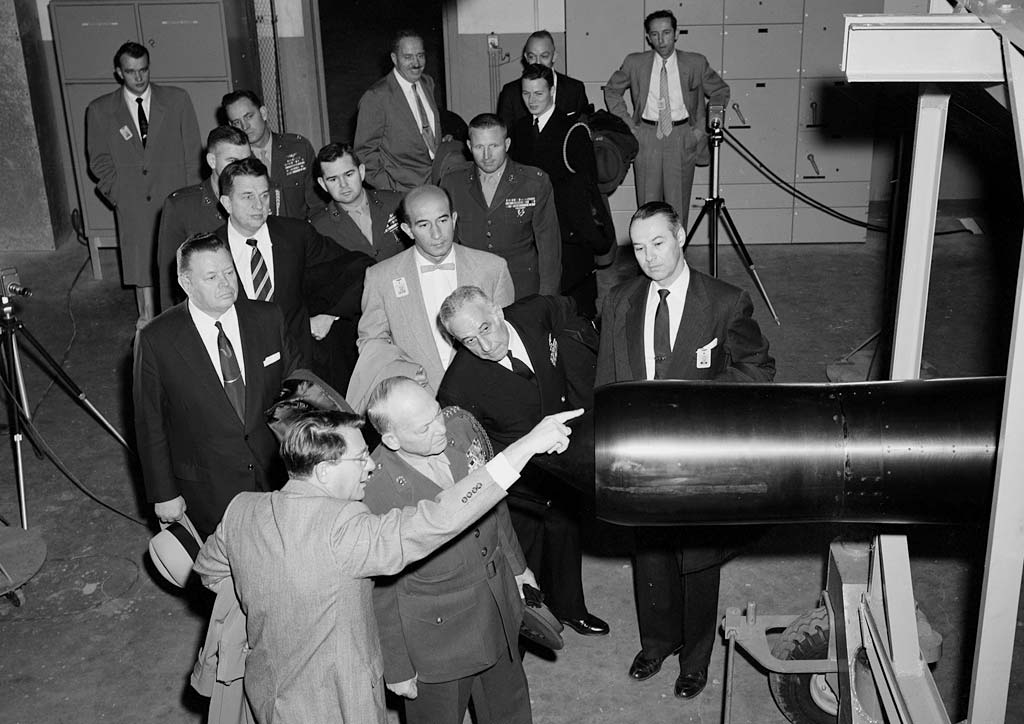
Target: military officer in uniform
(288, 156)
(357, 218)
(508, 209)
(195, 210)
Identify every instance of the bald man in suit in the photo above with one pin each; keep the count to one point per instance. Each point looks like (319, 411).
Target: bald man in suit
(398, 331)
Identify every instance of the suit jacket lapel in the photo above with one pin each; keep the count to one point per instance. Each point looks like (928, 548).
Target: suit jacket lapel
(633, 329)
(644, 82)
(414, 312)
(285, 261)
(123, 117)
(157, 111)
(476, 190)
(249, 332)
(378, 218)
(690, 327)
(192, 350)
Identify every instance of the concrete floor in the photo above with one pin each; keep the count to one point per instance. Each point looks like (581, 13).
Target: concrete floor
(102, 639)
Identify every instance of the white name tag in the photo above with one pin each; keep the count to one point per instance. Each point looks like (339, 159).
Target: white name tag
(704, 354)
(126, 133)
(401, 288)
(271, 359)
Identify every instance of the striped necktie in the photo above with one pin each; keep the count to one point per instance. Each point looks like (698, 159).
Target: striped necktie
(664, 105)
(428, 134)
(263, 288)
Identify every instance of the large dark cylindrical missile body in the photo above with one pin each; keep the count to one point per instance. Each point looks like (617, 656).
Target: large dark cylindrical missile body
(670, 452)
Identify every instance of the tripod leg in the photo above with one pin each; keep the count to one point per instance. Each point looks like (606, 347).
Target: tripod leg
(696, 224)
(713, 221)
(12, 380)
(741, 249)
(16, 383)
(59, 374)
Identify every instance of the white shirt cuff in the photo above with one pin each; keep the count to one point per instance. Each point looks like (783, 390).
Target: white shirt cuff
(502, 471)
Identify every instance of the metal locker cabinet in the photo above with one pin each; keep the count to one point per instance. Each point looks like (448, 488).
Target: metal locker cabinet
(762, 115)
(79, 31)
(98, 217)
(187, 39)
(762, 211)
(834, 140)
(688, 12)
(599, 34)
(763, 11)
(823, 34)
(703, 39)
(761, 51)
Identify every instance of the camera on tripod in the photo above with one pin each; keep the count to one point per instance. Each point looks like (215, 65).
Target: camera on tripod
(716, 117)
(10, 284)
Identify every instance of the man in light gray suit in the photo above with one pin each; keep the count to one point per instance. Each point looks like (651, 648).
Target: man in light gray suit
(669, 120)
(300, 561)
(398, 127)
(398, 330)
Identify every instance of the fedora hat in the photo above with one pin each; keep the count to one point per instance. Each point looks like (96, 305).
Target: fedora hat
(174, 549)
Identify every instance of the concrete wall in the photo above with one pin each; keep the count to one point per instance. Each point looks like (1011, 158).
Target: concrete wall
(35, 204)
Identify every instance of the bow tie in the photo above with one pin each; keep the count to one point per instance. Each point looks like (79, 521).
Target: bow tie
(447, 266)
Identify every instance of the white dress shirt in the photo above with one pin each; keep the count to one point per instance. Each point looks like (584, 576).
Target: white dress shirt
(436, 286)
(410, 98)
(133, 107)
(242, 255)
(675, 91)
(207, 327)
(518, 350)
(543, 118)
(676, 301)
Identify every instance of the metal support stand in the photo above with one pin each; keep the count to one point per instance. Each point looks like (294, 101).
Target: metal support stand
(11, 329)
(717, 213)
(879, 644)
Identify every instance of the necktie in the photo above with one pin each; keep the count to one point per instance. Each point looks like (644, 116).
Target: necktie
(231, 373)
(262, 287)
(662, 340)
(536, 127)
(143, 123)
(447, 266)
(664, 105)
(428, 135)
(520, 368)
(442, 471)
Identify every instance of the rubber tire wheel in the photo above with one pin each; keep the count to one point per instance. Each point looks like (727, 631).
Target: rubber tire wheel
(806, 638)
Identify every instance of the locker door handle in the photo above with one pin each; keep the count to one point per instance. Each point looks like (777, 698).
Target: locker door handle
(739, 113)
(814, 164)
(814, 113)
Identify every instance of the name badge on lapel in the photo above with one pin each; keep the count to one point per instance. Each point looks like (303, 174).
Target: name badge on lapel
(704, 354)
(126, 133)
(401, 288)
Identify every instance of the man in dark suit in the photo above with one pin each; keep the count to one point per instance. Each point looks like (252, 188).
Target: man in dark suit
(357, 218)
(508, 209)
(570, 94)
(676, 323)
(142, 142)
(195, 209)
(509, 372)
(398, 127)
(550, 140)
(313, 280)
(289, 157)
(450, 624)
(205, 371)
(669, 120)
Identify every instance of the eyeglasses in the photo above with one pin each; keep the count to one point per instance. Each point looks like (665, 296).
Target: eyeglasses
(361, 457)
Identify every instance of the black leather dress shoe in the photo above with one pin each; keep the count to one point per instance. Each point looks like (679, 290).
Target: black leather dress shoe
(689, 685)
(589, 625)
(644, 668)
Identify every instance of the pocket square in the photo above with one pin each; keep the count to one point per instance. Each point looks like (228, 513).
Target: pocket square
(271, 359)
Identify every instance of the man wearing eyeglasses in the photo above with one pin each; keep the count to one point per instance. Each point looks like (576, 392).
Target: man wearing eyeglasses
(450, 625)
(300, 560)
